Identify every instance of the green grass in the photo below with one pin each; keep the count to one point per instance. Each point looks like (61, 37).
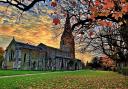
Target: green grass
(84, 79)
(17, 72)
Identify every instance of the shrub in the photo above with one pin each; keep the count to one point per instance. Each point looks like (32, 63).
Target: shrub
(101, 63)
(1, 59)
(1, 55)
(124, 71)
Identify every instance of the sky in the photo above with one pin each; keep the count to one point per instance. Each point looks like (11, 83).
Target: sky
(31, 34)
(29, 28)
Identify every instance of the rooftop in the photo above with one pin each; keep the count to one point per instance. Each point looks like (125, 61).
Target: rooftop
(40, 46)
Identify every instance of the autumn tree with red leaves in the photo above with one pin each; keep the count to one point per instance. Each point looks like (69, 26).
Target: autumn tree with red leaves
(102, 63)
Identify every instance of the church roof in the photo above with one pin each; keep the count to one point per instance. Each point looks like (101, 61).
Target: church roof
(26, 45)
(41, 46)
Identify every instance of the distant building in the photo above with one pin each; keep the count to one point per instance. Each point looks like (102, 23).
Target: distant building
(42, 57)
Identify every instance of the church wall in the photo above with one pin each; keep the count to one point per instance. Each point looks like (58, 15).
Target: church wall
(58, 63)
(39, 60)
(54, 64)
(27, 57)
(65, 64)
(56, 59)
(51, 53)
(9, 57)
(33, 59)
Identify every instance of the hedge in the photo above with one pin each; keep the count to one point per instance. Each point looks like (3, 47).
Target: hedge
(124, 71)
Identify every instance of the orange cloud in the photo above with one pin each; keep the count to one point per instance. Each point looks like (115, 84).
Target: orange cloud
(84, 56)
(34, 35)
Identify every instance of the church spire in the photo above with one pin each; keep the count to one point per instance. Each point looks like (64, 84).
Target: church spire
(67, 26)
(67, 39)
(13, 39)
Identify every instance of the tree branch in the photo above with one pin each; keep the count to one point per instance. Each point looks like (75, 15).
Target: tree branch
(20, 5)
(109, 17)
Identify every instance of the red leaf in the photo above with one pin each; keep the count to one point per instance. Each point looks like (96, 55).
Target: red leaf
(53, 3)
(109, 24)
(97, 3)
(90, 34)
(125, 8)
(56, 21)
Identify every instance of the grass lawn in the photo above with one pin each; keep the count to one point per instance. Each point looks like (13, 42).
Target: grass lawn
(15, 72)
(84, 79)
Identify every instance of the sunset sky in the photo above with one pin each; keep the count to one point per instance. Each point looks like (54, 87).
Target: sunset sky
(30, 34)
(29, 29)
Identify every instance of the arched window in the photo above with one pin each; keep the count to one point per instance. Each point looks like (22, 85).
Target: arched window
(11, 57)
(24, 57)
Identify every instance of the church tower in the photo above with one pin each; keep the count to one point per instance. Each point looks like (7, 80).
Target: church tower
(67, 38)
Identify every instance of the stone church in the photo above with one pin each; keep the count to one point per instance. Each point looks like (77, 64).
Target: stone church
(23, 56)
